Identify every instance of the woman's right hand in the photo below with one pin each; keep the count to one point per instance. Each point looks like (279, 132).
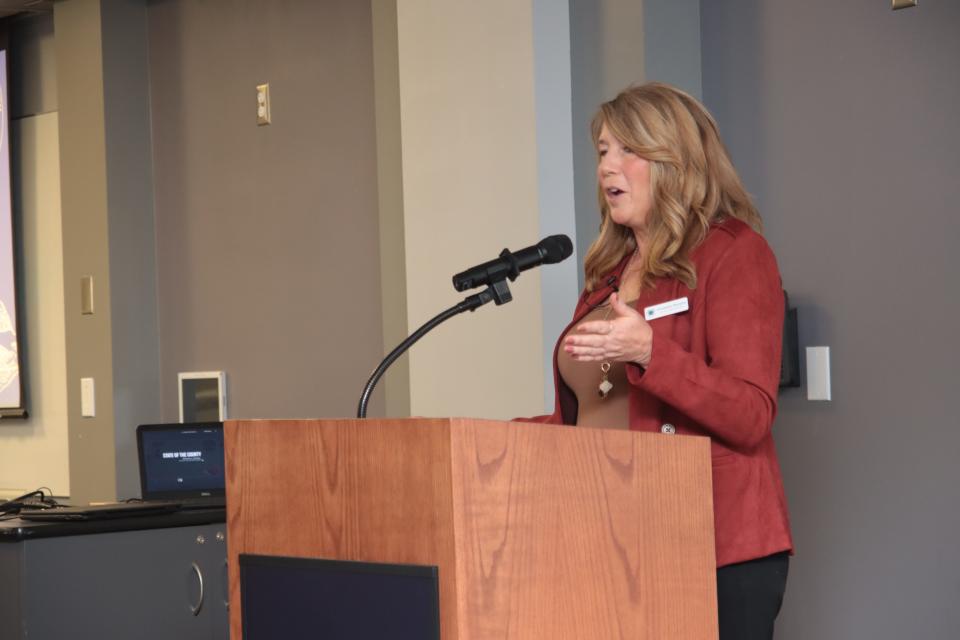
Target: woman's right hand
(625, 337)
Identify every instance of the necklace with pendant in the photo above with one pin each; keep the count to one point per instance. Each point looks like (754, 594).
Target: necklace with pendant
(605, 386)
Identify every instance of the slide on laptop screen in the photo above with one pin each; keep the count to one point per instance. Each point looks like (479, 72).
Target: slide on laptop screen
(182, 462)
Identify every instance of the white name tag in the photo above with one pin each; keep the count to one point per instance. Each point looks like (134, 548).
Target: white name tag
(666, 308)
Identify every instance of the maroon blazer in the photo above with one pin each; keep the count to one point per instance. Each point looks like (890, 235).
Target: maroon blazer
(714, 371)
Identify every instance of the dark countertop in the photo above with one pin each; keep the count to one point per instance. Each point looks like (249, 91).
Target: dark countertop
(18, 530)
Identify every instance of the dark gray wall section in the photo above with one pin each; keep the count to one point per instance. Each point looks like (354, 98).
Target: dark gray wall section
(32, 66)
(606, 56)
(842, 117)
(671, 43)
(558, 284)
(133, 277)
(267, 242)
(586, 38)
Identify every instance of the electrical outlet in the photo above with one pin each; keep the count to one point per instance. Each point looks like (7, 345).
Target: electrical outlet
(263, 104)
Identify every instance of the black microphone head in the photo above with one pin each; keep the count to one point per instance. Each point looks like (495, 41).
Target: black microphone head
(555, 248)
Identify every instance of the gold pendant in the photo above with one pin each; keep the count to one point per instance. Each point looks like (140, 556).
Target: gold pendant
(605, 384)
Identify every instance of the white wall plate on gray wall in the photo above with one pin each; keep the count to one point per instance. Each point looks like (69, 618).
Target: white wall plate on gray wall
(203, 396)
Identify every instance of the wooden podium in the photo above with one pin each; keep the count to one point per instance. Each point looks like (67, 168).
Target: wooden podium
(539, 531)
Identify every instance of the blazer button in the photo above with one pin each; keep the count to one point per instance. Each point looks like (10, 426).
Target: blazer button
(668, 428)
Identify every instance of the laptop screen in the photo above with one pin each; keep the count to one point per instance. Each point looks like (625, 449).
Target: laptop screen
(181, 461)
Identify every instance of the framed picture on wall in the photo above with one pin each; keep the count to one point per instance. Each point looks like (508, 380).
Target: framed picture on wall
(12, 402)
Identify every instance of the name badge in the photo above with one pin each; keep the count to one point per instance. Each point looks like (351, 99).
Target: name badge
(666, 308)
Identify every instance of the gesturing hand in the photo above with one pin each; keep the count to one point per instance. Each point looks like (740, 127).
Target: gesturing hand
(624, 337)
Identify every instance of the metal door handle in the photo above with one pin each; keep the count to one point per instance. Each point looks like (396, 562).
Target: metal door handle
(226, 584)
(195, 610)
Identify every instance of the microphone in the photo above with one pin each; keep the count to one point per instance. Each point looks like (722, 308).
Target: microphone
(550, 250)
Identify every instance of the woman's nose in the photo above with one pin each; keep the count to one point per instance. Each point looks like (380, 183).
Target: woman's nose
(607, 165)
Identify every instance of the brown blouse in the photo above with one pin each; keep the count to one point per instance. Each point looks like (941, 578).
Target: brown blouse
(583, 378)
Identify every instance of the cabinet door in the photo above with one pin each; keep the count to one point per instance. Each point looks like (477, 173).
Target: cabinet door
(131, 584)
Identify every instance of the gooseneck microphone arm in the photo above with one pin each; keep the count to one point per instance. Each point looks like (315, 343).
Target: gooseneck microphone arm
(497, 291)
(494, 274)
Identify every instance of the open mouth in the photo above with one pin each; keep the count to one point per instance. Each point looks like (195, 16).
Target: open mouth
(613, 191)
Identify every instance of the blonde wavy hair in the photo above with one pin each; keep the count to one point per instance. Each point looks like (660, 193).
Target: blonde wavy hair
(692, 183)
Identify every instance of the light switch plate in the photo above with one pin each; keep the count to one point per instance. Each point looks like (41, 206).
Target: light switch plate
(88, 402)
(86, 295)
(818, 373)
(263, 104)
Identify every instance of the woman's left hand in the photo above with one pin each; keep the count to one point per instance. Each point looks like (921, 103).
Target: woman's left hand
(624, 337)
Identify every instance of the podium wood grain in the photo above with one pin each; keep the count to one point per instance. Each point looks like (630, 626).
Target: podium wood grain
(539, 531)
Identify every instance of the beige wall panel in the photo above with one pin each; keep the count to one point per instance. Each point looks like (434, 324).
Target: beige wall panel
(33, 452)
(83, 184)
(469, 189)
(393, 274)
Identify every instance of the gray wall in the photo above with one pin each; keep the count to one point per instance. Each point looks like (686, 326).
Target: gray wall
(606, 55)
(671, 41)
(615, 44)
(267, 238)
(555, 177)
(32, 66)
(842, 119)
(133, 277)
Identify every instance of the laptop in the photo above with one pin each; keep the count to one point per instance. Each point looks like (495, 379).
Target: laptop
(181, 467)
(182, 462)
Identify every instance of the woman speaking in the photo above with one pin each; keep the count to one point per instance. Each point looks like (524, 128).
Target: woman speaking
(679, 329)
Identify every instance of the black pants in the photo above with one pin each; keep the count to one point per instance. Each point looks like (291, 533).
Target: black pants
(749, 595)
